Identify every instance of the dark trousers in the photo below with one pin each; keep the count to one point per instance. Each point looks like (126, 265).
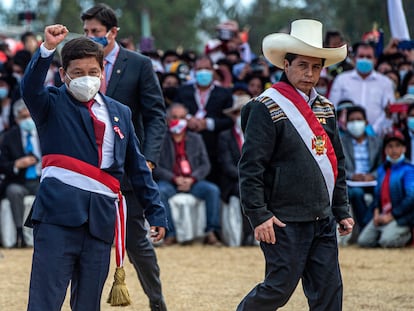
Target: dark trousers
(306, 251)
(141, 252)
(62, 255)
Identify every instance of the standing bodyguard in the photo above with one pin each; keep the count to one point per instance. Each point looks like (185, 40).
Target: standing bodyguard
(130, 79)
(292, 176)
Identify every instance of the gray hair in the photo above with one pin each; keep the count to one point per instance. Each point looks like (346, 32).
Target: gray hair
(18, 106)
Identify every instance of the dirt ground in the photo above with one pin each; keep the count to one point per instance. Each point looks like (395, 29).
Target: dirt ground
(199, 278)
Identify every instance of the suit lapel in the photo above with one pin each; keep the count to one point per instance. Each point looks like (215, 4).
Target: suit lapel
(117, 70)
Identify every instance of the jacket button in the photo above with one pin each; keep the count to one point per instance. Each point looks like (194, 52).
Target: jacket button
(317, 218)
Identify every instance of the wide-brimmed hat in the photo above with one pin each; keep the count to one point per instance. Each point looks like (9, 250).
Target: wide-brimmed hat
(238, 104)
(305, 38)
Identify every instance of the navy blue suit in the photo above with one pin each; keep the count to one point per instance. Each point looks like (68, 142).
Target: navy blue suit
(65, 127)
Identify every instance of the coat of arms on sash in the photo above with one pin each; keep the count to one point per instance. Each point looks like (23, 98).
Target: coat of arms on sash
(319, 144)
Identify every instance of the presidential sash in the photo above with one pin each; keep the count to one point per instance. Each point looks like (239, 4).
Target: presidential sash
(309, 129)
(84, 176)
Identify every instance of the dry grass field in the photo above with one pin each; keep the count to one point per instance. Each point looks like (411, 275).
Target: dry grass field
(199, 278)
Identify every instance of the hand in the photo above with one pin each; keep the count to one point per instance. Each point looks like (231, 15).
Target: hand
(345, 226)
(25, 161)
(377, 217)
(54, 34)
(265, 231)
(157, 233)
(385, 219)
(150, 165)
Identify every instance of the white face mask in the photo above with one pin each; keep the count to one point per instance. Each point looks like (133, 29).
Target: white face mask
(84, 88)
(356, 128)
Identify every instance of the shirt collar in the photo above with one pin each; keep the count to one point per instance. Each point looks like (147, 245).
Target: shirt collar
(111, 57)
(372, 76)
(309, 99)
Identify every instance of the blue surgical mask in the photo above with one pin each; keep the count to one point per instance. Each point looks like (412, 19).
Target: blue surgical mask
(410, 123)
(4, 91)
(27, 124)
(364, 65)
(101, 40)
(410, 89)
(204, 77)
(394, 161)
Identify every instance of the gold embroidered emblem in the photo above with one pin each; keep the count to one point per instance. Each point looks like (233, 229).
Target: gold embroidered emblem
(319, 144)
(322, 120)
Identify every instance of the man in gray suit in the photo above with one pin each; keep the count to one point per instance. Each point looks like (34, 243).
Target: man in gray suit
(131, 80)
(363, 155)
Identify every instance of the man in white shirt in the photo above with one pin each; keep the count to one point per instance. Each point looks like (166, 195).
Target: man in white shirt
(365, 87)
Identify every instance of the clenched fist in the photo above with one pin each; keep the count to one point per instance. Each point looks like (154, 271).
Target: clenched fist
(54, 34)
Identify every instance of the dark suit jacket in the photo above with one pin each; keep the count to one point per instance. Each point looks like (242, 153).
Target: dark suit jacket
(11, 149)
(228, 158)
(375, 154)
(133, 82)
(196, 153)
(220, 98)
(65, 128)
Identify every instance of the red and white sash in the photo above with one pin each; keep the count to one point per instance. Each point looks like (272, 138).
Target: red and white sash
(85, 176)
(310, 130)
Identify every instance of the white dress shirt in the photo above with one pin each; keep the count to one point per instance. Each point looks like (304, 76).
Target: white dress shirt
(373, 93)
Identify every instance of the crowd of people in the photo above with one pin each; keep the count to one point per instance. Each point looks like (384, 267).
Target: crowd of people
(203, 94)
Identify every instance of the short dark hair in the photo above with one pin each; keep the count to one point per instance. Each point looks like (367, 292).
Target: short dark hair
(103, 13)
(79, 48)
(290, 57)
(353, 109)
(26, 35)
(363, 44)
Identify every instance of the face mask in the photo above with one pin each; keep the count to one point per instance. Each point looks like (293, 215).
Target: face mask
(410, 123)
(170, 92)
(322, 90)
(402, 74)
(101, 40)
(27, 124)
(4, 91)
(168, 67)
(177, 126)
(356, 128)
(364, 65)
(84, 88)
(204, 77)
(410, 89)
(394, 161)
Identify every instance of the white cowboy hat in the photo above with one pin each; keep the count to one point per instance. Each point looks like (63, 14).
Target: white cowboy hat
(305, 39)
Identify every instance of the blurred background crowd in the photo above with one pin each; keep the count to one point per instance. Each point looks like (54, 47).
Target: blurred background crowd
(204, 91)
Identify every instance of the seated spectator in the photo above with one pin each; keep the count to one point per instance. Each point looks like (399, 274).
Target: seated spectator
(396, 81)
(183, 167)
(393, 202)
(363, 155)
(169, 84)
(6, 86)
(255, 85)
(20, 160)
(408, 133)
(229, 144)
(407, 84)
